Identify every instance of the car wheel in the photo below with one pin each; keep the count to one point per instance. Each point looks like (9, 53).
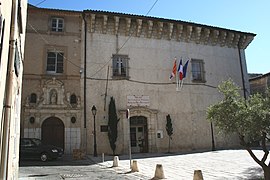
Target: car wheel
(44, 157)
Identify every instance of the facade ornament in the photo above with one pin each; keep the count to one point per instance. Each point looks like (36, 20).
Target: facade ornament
(150, 28)
(139, 27)
(53, 98)
(27, 101)
(170, 25)
(116, 28)
(128, 24)
(105, 22)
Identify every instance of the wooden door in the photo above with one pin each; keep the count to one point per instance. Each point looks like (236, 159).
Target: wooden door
(52, 132)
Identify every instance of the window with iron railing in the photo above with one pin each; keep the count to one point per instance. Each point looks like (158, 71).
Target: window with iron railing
(197, 69)
(120, 66)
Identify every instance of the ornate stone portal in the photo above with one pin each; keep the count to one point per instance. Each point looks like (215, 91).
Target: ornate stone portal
(53, 93)
(53, 101)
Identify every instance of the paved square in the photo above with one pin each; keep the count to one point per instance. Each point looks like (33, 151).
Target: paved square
(223, 164)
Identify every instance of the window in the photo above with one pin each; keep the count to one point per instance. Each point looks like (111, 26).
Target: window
(103, 128)
(55, 62)
(57, 24)
(17, 61)
(19, 16)
(33, 98)
(32, 120)
(197, 70)
(73, 99)
(120, 65)
(73, 119)
(2, 28)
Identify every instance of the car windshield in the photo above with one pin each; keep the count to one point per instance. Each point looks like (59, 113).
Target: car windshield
(37, 142)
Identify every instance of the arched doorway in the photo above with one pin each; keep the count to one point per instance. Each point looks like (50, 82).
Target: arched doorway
(138, 134)
(52, 132)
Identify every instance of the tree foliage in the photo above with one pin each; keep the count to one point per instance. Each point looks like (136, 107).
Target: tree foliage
(249, 118)
(169, 129)
(112, 125)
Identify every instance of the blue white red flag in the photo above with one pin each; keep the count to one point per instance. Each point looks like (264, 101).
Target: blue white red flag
(180, 70)
(185, 69)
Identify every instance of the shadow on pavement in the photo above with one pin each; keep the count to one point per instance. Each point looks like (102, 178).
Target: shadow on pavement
(148, 155)
(66, 160)
(254, 173)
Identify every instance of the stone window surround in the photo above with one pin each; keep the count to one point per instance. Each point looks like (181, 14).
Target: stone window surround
(58, 20)
(151, 116)
(120, 66)
(199, 72)
(61, 49)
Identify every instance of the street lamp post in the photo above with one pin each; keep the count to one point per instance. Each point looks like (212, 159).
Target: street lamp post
(129, 145)
(94, 112)
(212, 135)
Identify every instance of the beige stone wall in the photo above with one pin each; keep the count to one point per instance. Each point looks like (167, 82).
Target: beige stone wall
(39, 40)
(151, 45)
(150, 65)
(259, 84)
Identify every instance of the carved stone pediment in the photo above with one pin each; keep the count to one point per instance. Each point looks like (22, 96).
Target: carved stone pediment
(53, 94)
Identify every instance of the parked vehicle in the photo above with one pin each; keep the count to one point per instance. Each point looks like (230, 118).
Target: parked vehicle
(32, 148)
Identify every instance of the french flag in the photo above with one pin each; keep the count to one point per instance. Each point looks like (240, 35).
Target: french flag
(180, 70)
(173, 70)
(185, 69)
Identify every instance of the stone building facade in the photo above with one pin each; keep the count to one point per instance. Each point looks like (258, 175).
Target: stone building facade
(140, 52)
(260, 83)
(12, 39)
(129, 58)
(51, 108)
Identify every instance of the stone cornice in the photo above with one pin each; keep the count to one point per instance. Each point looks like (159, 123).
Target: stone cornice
(54, 12)
(158, 28)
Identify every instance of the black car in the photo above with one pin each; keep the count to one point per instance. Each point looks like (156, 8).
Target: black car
(32, 148)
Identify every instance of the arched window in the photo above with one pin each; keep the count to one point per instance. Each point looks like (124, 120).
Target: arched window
(73, 99)
(33, 98)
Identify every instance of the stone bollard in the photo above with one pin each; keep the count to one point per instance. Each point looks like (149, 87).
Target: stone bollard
(159, 174)
(198, 175)
(134, 167)
(115, 161)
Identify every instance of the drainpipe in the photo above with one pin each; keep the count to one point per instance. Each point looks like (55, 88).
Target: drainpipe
(242, 72)
(84, 78)
(8, 95)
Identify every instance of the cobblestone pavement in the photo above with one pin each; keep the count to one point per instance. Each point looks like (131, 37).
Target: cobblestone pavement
(215, 165)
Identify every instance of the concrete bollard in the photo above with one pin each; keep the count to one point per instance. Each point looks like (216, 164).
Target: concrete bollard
(115, 161)
(103, 157)
(134, 167)
(159, 174)
(198, 175)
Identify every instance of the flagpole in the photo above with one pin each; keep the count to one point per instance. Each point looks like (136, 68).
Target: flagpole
(182, 84)
(177, 82)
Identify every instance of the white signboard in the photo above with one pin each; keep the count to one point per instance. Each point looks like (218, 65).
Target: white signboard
(136, 101)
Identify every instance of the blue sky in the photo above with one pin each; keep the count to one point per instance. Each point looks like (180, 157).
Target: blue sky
(242, 15)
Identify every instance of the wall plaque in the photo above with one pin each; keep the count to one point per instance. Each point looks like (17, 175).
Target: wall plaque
(135, 101)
